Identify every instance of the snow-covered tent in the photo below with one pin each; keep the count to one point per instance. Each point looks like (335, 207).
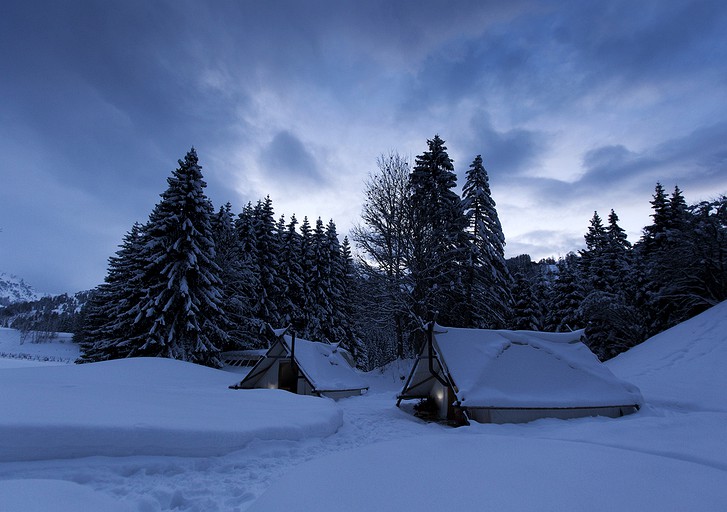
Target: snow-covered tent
(492, 376)
(306, 368)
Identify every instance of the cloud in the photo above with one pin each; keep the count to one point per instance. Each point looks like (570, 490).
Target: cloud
(286, 158)
(510, 152)
(574, 106)
(648, 43)
(696, 158)
(543, 244)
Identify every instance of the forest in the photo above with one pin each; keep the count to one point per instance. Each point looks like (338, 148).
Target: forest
(193, 281)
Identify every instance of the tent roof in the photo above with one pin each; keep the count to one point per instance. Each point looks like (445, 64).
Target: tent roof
(324, 365)
(528, 369)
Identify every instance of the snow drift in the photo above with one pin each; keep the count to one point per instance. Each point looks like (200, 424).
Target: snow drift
(145, 406)
(685, 366)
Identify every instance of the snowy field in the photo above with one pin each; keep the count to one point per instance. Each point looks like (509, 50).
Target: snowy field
(151, 434)
(14, 352)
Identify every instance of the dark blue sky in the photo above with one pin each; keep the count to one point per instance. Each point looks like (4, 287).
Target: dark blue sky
(575, 107)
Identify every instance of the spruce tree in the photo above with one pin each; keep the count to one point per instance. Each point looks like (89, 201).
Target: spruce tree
(269, 287)
(236, 276)
(654, 234)
(438, 235)
(610, 308)
(291, 273)
(244, 298)
(486, 276)
(348, 293)
(182, 290)
(682, 264)
(526, 312)
(591, 264)
(319, 308)
(308, 269)
(563, 314)
(110, 331)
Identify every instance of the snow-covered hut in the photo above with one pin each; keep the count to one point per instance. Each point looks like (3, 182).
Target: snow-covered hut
(306, 368)
(498, 376)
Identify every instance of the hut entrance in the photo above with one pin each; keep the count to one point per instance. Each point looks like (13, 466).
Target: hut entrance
(287, 378)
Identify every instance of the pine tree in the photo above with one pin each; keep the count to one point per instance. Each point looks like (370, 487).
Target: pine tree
(614, 258)
(526, 312)
(610, 308)
(109, 331)
(319, 308)
(291, 273)
(654, 234)
(181, 304)
(243, 296)
(486, 276)
(308, 268)
(269, 287)
(236, 276)
(347, 286)
(684, 265)
(563, 313)
(438, 235)
(591, 264)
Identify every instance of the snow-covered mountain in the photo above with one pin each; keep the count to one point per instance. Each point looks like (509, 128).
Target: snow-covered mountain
(14, 289)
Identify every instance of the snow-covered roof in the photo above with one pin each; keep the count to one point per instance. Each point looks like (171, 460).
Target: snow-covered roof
(492, 368)
(324, 365)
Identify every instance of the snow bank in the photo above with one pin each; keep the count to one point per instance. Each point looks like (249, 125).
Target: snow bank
(145, 406)
(496, 473)
(39, 495)
(684, 366)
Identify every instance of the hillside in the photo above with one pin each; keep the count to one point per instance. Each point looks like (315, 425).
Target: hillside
(683, 367)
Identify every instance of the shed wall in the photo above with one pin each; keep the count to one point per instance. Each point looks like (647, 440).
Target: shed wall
(483, 415)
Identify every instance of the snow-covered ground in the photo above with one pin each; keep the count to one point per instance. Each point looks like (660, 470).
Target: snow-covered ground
(15, 352)
(672, 455)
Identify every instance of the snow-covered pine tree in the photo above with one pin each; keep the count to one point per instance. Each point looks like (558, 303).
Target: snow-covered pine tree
(563, 312)
(708, 259)
(526, 312)
(614, 257)
(336, 327)
(182, 286)
(596, 244)
(438, 235)
(320, 306)
(308, 269)
(269, 291)
(235, 276)
(243, 292)
(291, 273)
(347, 283)
(677, 251)
(614, 322)
(654, 234)
(109, 331)
(486, 277)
